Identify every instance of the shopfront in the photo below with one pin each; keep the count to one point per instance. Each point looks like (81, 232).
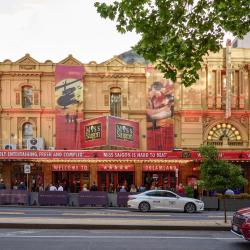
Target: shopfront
(160, 176)
(34, 179)
(113, 176)
(71, 176)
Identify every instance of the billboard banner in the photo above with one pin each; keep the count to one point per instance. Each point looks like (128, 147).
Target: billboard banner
(93, 132)
(123, 133)
(69, 99)
(160, 110)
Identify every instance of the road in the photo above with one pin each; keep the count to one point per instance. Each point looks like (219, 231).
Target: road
(120, 239)
(57, 212)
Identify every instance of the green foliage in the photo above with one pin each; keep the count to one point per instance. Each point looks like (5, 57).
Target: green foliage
(176, 34)
(189, 190)
(219, 174)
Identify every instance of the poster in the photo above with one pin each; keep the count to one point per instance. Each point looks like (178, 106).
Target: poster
(69, 99)
(160, 111)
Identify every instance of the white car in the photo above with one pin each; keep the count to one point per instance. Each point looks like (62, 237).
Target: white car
(164, 200)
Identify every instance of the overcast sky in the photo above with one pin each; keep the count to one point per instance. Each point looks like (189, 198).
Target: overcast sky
(53, 29)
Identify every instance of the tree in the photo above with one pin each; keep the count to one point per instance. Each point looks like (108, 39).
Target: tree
(176, 34)
(217, 174)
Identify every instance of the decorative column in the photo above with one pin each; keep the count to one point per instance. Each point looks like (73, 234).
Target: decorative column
(228, 79)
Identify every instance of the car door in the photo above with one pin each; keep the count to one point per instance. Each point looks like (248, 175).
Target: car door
(156, 200)
(171, 201)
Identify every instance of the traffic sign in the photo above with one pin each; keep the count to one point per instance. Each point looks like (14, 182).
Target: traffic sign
(26, 169)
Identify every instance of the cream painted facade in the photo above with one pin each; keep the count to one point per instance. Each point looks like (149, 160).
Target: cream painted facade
(98, 80)
(200, 111)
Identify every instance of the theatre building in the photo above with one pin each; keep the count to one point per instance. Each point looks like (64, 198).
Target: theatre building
(120, 121)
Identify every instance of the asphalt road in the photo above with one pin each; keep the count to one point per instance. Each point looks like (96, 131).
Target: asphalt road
(57, 212)
(11, 239)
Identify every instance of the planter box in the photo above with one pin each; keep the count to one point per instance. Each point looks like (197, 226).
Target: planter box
(53, 198)
(12, 196)
(234, 204)
(210, 203)
(93, 198)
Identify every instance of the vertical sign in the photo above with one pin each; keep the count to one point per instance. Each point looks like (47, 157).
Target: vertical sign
(160, 109)
(228, 79)
(69, 99)
(26, 170)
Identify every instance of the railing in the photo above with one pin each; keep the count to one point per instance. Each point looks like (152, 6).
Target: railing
(230, 143)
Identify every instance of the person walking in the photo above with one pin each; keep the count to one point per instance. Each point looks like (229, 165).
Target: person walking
(2, 185)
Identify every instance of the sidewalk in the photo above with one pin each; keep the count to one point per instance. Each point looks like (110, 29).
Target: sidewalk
(112, 224)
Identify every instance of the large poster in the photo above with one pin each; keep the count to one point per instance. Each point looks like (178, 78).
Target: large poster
(69, 99)
(160, 111)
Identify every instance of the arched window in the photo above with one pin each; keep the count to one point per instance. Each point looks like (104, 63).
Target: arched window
(115, 102)
(224, 134)
(27, 133)
(27, 97)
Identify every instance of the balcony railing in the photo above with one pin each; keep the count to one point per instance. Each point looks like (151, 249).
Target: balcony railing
(230, 143)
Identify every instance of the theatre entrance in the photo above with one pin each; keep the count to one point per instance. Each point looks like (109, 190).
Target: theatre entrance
(111, 177)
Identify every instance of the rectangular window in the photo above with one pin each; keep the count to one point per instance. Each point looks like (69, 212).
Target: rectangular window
(115, 104)
(17, 98)
(36, 98)
(106, 100)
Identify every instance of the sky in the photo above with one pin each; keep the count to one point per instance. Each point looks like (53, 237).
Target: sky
(53, 29)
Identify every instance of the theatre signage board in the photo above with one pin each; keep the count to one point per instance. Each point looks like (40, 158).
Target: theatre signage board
(156, 168)
(70, 167)
(109, 131)
(113, 154)
(116, 167)
(93, 132)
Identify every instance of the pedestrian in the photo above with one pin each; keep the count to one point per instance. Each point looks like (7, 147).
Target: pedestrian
(2, 185)
(22, 186)
(60, 188)
(133, 189)
(85, 188)
(141, 188)
(52, 187)
(196, 192)
(111, 188)
(93, 187)
(123, 189)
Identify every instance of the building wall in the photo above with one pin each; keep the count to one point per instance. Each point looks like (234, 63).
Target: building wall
(200, 107)
(98, 80)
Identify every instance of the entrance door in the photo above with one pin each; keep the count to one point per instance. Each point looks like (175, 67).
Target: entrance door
(107, 180)
(72, 181)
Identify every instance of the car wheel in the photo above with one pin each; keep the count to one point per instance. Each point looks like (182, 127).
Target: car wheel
(144, 206)
(190, 207)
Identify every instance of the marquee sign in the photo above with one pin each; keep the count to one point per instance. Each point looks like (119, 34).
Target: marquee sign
(116, 167)
(109, 131)
(159, 168)
(114, 154)
(70, 167)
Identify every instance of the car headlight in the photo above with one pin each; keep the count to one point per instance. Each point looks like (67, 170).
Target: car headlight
(200, 202)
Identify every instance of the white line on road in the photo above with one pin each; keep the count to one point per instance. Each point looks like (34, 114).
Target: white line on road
(117, 237)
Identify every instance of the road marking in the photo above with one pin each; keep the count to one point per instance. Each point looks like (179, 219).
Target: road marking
(118, 237)
(127, 215)
(2, 212)
(219, 216)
